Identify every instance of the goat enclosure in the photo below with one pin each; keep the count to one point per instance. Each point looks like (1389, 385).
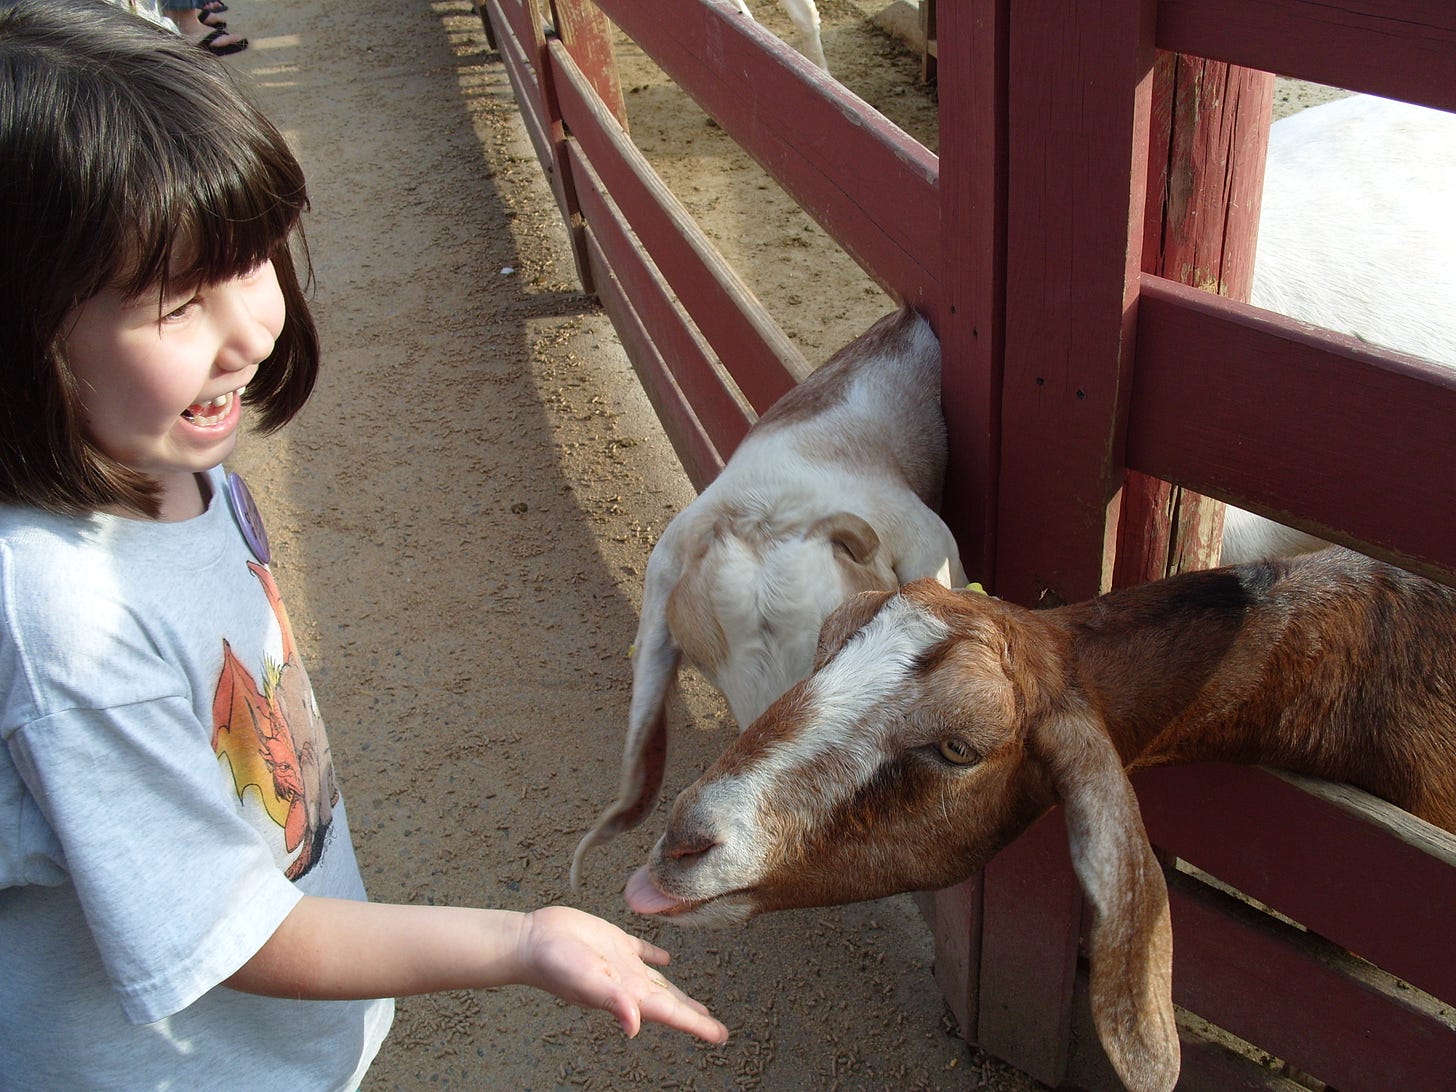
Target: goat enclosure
(1099, 168)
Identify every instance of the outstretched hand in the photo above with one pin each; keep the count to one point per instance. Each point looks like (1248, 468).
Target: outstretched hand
(588, 961)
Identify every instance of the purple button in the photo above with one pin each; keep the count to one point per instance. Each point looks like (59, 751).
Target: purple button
(249, 521)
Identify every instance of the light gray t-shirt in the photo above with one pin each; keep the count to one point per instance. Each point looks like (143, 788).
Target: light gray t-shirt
(166, 797)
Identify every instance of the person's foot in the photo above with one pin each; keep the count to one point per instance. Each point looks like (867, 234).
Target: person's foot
(222, 44)
(218, 41)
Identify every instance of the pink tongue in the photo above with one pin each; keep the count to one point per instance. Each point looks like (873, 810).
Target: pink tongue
(643, 897)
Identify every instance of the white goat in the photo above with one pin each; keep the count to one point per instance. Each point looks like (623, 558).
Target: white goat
(805, 17)
(830, 493)
(938, 725)
(1356, 234)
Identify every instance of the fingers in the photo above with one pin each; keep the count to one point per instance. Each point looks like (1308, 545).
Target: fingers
(668, 1005)
(590, 962)
(684, 1014)
(629, 1017)
(660, 1002)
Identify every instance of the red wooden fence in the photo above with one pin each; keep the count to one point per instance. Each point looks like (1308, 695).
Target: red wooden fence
(1027, 241)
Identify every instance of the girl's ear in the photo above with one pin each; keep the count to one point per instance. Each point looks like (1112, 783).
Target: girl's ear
(1131, 946)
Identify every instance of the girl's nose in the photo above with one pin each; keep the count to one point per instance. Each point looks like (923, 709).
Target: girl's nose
(253, 317)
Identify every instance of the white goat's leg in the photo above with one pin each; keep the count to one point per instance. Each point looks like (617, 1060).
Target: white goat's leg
(805, 17)
(804, 14)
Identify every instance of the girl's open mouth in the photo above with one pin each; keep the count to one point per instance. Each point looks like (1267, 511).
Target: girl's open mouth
(214, 411)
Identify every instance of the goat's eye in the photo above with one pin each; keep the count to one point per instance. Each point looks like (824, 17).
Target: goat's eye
(958, 752)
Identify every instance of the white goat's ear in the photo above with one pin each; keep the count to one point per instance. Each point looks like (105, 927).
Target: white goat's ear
(692, 618)
(1131, 946)
(852, 533)
(845, 621)
(655, 658)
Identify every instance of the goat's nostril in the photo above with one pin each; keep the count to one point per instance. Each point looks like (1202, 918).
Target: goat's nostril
(688, 849)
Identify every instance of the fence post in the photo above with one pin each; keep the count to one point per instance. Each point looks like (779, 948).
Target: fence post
(969, 321)
(1078, 78)
(1198, 161)
(587, 35)
(1209, 131)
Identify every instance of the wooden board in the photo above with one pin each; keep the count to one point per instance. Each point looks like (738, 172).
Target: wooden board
(1300, 1000)
(1401, 49)
(691, 378)
(1312, 428)
(1269, 837)
(755, 350)
(858, 175)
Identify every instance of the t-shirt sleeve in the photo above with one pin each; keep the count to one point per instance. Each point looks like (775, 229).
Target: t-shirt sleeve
(179, 890)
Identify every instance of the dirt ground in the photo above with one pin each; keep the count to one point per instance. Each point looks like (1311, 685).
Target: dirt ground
(461, 518)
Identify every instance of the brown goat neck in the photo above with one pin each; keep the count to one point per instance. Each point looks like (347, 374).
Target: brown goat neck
(1329, 664)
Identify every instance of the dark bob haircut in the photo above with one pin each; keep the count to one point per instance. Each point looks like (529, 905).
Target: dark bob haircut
(129, 159)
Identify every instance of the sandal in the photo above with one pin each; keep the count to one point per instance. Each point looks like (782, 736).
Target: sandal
(210, 19)
(209, 44)
(213, 7)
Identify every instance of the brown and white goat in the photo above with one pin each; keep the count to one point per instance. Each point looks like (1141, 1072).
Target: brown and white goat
(832, 492)
(938, 725)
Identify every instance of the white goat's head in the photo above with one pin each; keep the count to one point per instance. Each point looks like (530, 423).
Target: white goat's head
(755, 590)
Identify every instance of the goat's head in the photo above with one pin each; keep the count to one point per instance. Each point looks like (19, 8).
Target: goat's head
(936, 726)
(755, 590)
(741, 593)
(900, 764)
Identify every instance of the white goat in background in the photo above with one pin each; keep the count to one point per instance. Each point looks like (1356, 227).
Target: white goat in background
(1357, 233)
(805, 17)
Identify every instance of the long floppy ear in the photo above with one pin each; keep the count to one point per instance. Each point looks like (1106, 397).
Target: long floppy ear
(692, 619)
(655, 658)
(845, 621)
(1132, 936)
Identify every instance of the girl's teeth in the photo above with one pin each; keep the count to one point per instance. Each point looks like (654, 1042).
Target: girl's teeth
(211, 411)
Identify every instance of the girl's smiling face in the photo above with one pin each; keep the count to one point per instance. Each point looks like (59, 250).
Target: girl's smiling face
(160, 385)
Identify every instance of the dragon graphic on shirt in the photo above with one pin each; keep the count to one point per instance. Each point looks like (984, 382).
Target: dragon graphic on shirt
(273, 740)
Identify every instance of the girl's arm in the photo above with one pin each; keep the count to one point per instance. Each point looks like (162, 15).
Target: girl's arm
(338, 949)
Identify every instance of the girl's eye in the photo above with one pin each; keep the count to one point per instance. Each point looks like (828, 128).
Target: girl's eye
(181, 312)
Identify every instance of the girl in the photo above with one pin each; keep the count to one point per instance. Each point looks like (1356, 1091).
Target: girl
(179, 900)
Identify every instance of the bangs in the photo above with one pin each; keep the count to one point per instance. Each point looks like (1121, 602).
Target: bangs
(182, 180)
(208, 210)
